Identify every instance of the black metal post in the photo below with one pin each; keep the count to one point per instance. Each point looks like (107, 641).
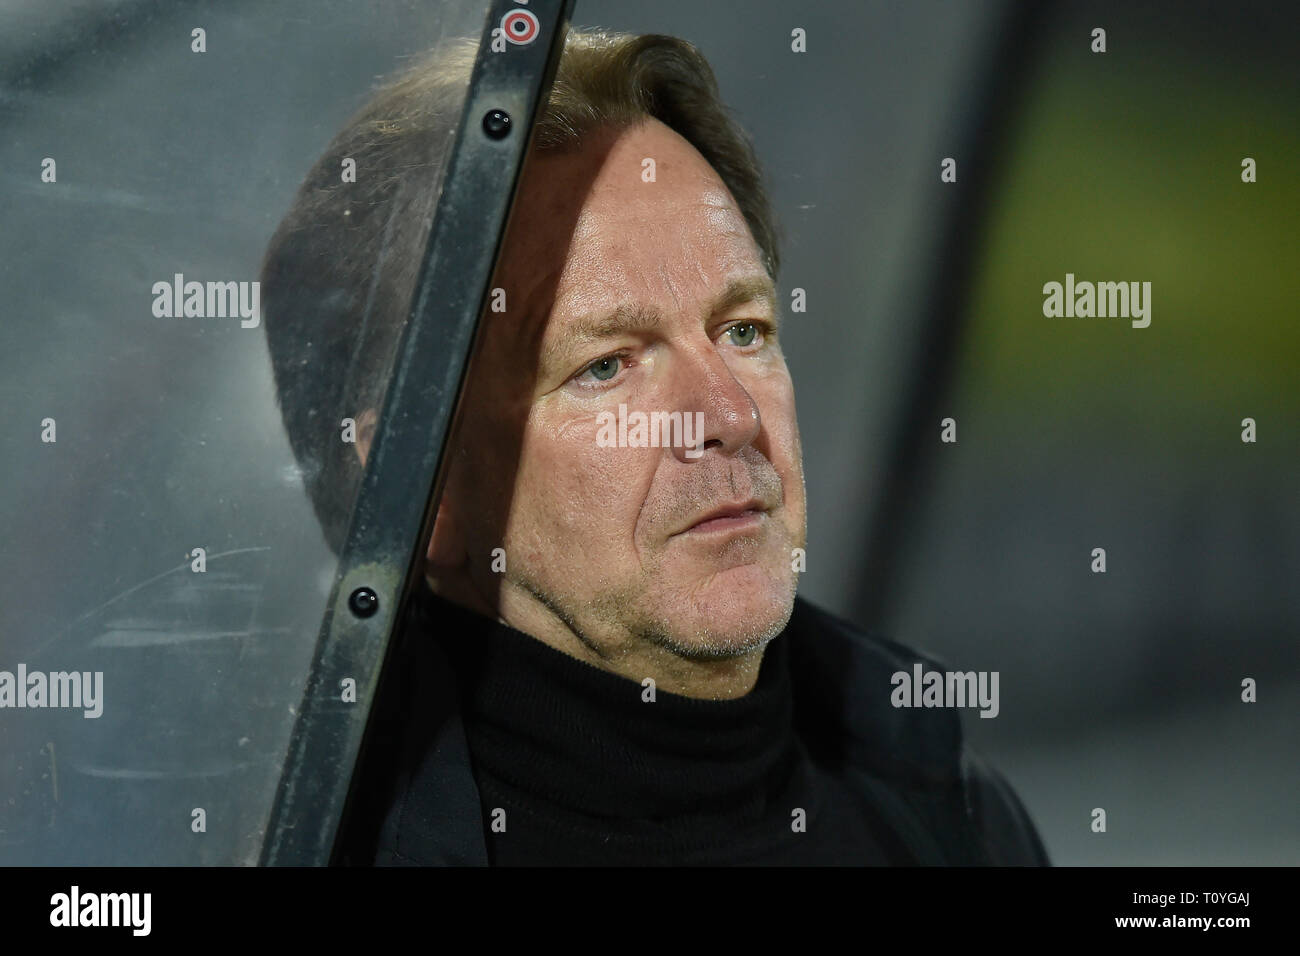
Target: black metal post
(394, 511)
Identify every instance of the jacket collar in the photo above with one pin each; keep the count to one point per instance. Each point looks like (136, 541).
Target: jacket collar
(842, 684)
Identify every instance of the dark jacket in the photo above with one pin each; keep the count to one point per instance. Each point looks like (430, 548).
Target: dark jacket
(416, 802)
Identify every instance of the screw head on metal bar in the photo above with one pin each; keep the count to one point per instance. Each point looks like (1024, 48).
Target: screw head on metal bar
(496, 123)
(363, 602)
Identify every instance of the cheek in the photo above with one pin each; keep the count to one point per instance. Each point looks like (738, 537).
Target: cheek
(774, 396)
(574, 496)
(792, 449)
(784, 450)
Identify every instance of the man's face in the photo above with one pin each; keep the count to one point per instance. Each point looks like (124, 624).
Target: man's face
(650, 295)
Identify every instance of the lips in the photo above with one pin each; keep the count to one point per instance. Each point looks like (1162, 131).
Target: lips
(727, 516)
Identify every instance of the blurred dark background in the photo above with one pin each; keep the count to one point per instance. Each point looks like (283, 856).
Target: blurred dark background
(1118, 690)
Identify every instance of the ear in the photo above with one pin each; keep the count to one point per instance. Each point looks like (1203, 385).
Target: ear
(446, 551)
(365, 434)
(447, 562)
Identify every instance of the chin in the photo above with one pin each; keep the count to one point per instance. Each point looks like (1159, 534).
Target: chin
(735, 612)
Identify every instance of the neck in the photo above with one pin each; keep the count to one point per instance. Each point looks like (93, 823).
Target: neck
(558, 735)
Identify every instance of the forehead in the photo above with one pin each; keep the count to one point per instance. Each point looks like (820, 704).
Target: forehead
(637, 215)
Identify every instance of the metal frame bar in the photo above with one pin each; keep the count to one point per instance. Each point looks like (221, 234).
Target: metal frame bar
(395, 505)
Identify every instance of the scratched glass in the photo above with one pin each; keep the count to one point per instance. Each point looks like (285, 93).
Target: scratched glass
(147, 147)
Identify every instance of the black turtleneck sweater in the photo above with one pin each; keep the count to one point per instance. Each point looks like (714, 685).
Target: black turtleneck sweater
(574, 768)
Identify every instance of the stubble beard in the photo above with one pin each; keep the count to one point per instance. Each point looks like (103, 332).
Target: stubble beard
(634, 613)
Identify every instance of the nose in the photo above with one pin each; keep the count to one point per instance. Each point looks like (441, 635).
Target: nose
(723, 416)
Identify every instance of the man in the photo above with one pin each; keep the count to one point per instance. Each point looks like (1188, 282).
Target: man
(610, 665)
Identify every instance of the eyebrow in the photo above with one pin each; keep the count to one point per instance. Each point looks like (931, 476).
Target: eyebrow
(640, 318)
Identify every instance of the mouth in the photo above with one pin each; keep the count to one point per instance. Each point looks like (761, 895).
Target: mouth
(728, 517)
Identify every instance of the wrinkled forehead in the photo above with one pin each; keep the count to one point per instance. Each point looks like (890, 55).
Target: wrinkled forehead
(592, 230)
(666, 250)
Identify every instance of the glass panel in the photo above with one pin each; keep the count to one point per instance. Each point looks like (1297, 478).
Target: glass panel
(164, 570)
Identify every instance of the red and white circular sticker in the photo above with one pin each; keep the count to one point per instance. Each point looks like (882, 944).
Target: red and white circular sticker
(520, 26)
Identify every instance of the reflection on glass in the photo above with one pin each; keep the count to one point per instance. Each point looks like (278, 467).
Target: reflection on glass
(164, 572)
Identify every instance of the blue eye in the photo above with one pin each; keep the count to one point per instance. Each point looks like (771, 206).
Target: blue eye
(748, 332)
(604, 369)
